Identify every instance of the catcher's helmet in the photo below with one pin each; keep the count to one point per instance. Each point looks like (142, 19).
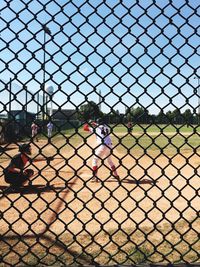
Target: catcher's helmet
(26, 148)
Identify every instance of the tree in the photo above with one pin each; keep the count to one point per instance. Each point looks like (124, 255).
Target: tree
(161, 117)
(128, 114)
(188, 117)
(140, 115)
(176, 116)
(169, 116)
(89, 111)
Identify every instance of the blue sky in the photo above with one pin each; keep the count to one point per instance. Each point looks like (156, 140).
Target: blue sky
(135, 52)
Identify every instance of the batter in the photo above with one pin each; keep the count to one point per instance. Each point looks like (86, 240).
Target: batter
(103, 146)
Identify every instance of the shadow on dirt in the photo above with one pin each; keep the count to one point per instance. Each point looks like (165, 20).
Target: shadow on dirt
(34, 189)
(143, 181)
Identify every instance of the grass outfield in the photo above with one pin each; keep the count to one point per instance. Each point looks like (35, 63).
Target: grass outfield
(158, 128)
(144, 139)
(150, 139)
(157, 139)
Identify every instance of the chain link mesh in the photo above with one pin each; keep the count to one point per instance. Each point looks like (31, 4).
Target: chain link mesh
(132, 63)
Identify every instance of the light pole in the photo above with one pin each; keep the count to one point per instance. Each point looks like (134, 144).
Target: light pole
(198, 95)
(100, 100)
(46, 30)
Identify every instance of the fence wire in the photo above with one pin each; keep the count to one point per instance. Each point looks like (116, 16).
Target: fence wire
(99, 115)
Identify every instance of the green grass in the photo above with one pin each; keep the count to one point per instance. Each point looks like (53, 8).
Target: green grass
(145, 139)
(166, 128)
(159, 139)
(168, 145)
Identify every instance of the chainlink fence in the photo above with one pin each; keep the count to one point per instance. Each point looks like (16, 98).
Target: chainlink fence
(136, 65)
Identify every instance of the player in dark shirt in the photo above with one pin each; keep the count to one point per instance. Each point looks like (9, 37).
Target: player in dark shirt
(16, 174)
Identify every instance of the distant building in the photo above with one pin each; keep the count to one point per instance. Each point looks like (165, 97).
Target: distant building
(64, 114)
(15, 126)
(3, 116)
(21, 115)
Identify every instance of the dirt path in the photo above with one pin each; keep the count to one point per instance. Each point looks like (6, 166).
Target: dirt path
(72, 198)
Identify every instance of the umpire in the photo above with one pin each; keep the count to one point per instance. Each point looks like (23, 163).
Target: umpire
(16, 174)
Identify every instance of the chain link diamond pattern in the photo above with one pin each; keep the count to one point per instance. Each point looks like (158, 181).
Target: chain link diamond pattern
(72, 62)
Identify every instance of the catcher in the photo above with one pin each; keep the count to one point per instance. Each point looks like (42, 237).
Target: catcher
(103, 146)
(15, 173)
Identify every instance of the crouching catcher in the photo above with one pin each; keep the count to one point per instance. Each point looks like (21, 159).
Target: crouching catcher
(16, 174)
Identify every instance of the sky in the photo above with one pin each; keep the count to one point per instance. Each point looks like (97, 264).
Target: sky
(130, 52)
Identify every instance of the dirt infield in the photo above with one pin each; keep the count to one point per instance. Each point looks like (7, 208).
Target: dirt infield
(154, 193)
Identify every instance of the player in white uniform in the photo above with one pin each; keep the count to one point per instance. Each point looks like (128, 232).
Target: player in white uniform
(49, 129)
(103, 147)
(34, 130)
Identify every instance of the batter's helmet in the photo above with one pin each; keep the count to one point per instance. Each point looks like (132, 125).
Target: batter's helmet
(26, 148)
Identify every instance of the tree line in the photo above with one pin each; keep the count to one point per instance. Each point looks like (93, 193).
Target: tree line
(140, 114)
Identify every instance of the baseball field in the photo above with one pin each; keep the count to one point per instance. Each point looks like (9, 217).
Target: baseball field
(150, 215)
